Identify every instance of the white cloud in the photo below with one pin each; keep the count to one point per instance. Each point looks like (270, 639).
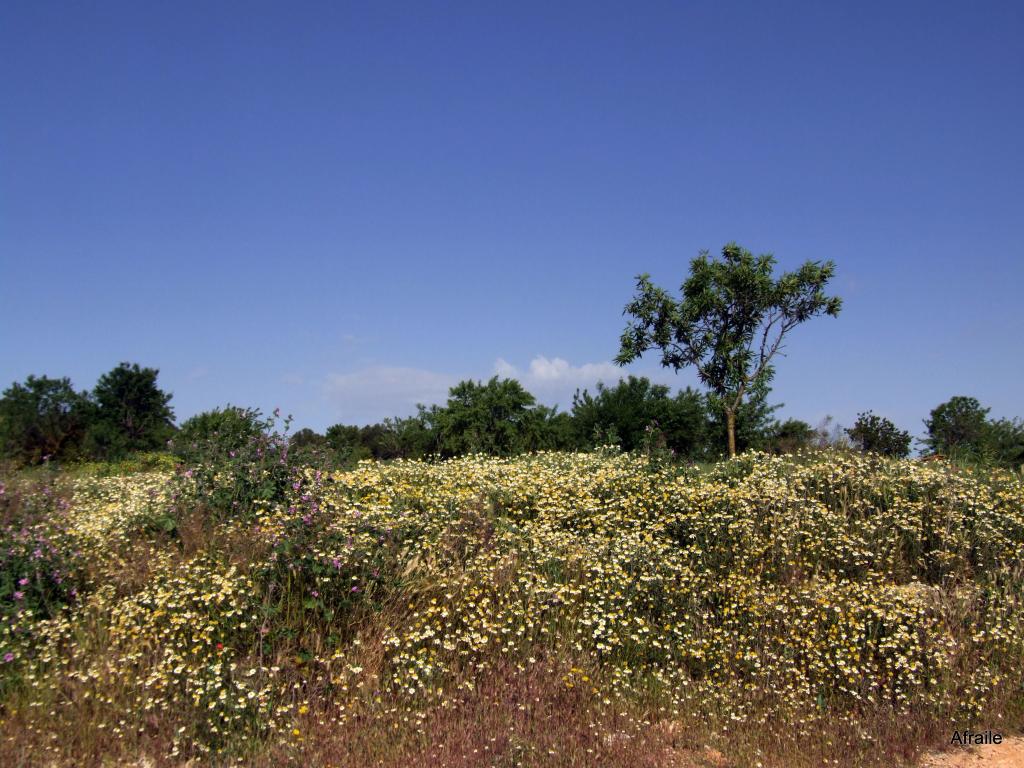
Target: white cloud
(371, 394)
(555, 379)
(375, 393)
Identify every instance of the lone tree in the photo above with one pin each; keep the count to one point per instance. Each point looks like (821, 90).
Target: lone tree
(730, 322)
(877, 434)
(132, 412)
(960, 425)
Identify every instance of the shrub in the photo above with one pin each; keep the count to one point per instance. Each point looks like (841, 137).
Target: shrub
(876, 434)
(235, 461)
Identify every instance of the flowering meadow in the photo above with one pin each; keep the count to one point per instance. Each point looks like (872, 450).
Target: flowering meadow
(547, 610)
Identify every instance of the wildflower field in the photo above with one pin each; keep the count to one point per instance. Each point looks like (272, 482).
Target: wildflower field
(547, 610)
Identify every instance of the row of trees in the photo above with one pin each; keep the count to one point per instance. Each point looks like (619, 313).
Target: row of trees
(729, 323)
(45, 418)
(500, 417)
(126, 412)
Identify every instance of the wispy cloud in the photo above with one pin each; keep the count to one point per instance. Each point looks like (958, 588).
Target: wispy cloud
(554, 380)
(377, 392)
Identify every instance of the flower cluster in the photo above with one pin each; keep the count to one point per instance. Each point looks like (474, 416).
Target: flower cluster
(764, 587)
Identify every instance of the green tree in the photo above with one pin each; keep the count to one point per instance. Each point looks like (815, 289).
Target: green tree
(132, 412)
(791, 435)
(753, 423)
(1006, 437)
(499, 418)
(306, 438)
(555, 431)
(958, 426)
(636, 412)
(42, 418)
(217, 433)
(729, 324)
(876, 434)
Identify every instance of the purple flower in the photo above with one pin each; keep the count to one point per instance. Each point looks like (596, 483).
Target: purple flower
(314, 593)
(8, 657)
(355, 588)
(336, 563)
(19, 595)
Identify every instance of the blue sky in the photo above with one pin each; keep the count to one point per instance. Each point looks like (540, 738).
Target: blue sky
(343, 208)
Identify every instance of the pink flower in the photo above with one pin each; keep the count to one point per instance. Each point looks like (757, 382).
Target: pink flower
(19, 595)
(8, 657)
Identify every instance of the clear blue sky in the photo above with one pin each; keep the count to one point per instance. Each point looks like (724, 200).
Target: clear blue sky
(342, 208)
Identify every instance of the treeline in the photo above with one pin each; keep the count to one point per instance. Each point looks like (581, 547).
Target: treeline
(126, 412)
(499, 417)
(45, 418)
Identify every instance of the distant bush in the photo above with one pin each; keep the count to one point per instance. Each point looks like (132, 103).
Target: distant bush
(234, 460)
(635, 414)
(46, 419)
(129, 414)
(961, 430)
(957, 426)
(1006, 438)
(42, 419)
(790, 436)
(218, 433)
(876, 434)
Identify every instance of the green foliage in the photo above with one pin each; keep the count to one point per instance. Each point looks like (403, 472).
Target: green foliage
(790, 436)
(630, 413)
(730, 322)
(957, 426)
(131, 413)
(961, 430)
(498, 418)
(1006, 439)
(216, 434)
(876, 434)
(754, 424)
(152, 461)
(43, 418)
(235, 461)
(40, 569)
(398, 438)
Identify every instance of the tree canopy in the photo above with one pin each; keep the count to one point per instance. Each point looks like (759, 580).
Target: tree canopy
(42, 418)
(730, 322)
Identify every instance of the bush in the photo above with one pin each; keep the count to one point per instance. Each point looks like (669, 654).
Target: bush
(876, 434)
(791, 435)
(130, 413)
(216, 434)
(42, 419)
(957, 426)
(235, 461)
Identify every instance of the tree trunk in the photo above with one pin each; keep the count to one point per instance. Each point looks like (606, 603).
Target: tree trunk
(730, 426)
